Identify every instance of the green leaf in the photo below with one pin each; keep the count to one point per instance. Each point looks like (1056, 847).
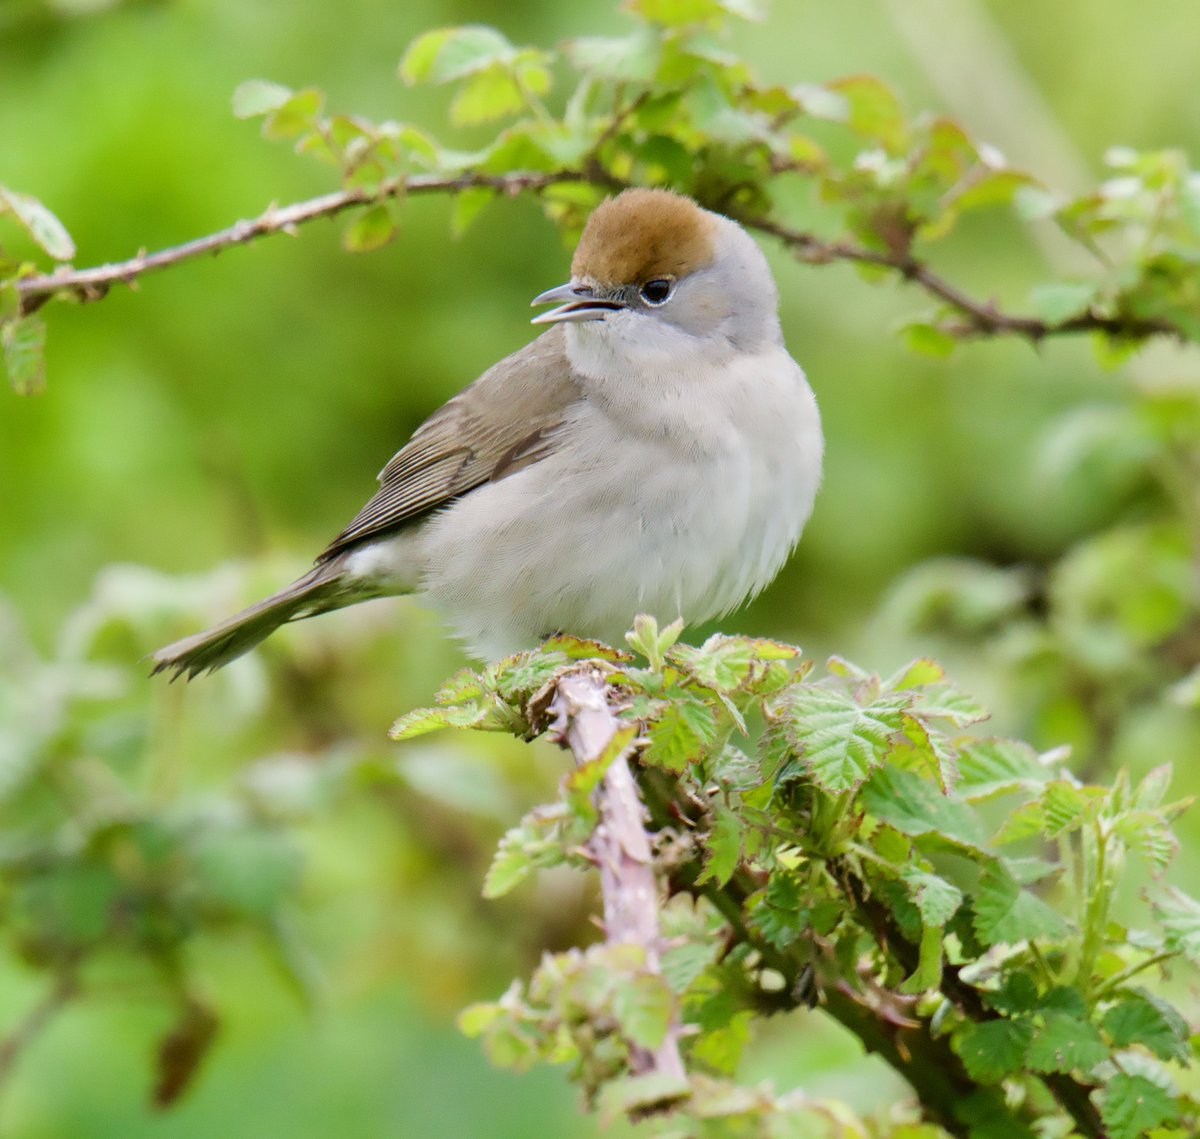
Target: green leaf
(778, 916)
(927, 340)
(453, 53)
(467, 207)
(873, 110)
(990, 767)
(1179, 915)
(723, 846)
(994, 1049)
(937, 899)
(580, 648)
(1005, 913)
(295, 116)
(619, 59)
(644, 1006)
(258, 97)
(1061, 300)
(476, 1019)
(646, 638)
(24, 345)
(1064, 807)
(839, 742)
(916, 806)
(1064, 1043)
(1146, 1020)
(371, 230)
(45, 229)
(639, 1096)
(681, 734)
(510, 866)
(945, 702)
(1133, 1105)
(421, 721)
(488, 95)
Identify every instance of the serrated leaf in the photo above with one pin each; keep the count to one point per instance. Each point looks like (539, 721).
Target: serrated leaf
(1133, 1105)
(1018, 993)
(723, 847)
(937, 899)
(371, 230)
(258, 97)
(24, 346)
(994, 1049)
(945, 702)
(510, 866)
(1064, 807)
(421, 721)
(839, 742)
(45, 229)
(644, 1006)
(1007, 914)
(916, 806)
(1150, 1022)
(991, 767)
(1064, 1043)
(778, 915)
(1148, 834)
(580, 648)
(681, 734)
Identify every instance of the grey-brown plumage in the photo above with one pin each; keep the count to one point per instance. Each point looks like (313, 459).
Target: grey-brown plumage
(657, 451)
(503, 422)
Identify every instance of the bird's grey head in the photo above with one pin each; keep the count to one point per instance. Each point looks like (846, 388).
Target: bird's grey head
(654, 269)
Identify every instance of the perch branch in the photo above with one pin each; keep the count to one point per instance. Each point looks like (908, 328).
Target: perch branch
(976, 317)
(585, 722)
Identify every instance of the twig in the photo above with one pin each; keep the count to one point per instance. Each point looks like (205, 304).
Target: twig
(94, 284)
(978, 318)
(620, 847)
(34, 1022)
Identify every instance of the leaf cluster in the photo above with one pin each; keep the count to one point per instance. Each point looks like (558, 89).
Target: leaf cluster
(849, 844)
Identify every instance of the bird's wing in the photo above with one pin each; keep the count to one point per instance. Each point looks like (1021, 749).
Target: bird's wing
(506, 420)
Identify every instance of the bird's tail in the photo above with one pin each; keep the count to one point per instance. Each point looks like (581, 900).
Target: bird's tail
(318, 591)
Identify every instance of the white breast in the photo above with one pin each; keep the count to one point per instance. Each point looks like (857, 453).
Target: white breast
(681, 497)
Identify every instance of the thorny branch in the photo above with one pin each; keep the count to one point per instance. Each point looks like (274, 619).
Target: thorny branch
(977, 318)
(619, 846)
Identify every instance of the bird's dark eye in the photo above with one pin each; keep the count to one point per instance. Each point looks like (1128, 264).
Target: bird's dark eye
(656, 292)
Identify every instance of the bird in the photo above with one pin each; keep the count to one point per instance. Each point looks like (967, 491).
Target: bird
(655, 450)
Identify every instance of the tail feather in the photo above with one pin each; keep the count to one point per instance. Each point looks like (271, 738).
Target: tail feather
(318, 591)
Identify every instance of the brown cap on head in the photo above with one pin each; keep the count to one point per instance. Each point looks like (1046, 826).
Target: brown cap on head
(643, 234)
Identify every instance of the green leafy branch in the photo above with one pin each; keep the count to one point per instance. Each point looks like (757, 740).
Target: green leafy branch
(844, 844)
(670, 104)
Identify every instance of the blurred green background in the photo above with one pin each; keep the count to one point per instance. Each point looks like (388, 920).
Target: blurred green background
(236, 410)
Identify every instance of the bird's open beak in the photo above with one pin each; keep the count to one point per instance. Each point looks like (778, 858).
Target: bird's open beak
(575, 303)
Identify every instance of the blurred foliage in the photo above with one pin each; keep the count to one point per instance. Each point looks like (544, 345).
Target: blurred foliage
(1032, 519)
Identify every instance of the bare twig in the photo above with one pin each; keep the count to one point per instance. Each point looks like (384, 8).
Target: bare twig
(620, 847)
